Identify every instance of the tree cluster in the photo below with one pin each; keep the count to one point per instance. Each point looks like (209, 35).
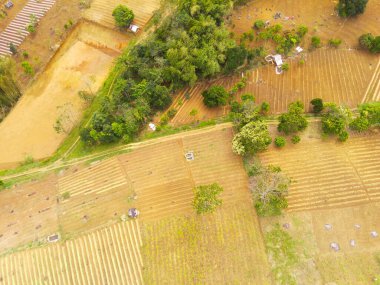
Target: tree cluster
(9, 90)
(369, 116)
(335, 121)
(190, 44)
(294, 120)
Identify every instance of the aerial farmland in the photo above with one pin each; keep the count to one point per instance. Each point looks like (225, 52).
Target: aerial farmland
(189, 142)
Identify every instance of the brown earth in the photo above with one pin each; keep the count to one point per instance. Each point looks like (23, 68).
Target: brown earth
(28, 129)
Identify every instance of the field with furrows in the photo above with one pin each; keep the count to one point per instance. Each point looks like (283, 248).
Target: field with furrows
(107, 256)
(223, 248)
(101, 11)
(318, 15)
(163, 180)
(328, 174)
(372, 93)
(28, 213)
(98, 194)
(339, 76)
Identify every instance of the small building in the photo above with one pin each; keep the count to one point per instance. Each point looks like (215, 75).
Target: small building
(134, 28)
(8, 5)
(278, 59)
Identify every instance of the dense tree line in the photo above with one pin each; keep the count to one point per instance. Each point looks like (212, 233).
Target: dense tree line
(9, 91)
(191, 44)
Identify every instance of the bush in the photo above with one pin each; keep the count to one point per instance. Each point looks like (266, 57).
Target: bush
(315, 42)
(172, 113)
(335, 121)
(12, 48)
(285, 67)
(280, 141)
(370, 43)
(264, 108)
(123, 16)
(259, 24)
(215, 96)
(317, 105)
(302, 30)
(335, 42)
(360, 124)
(28, 69)
(343, 136)
(296, 139)
(350, 8)
(206, 198)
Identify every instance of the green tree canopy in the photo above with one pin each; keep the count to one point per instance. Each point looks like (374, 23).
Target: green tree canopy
(206, 198)
(293, 121)
(350, 8)
(123, 16)
(215, 96)
(252, 138)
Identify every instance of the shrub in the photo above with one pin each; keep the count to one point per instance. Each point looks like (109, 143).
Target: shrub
(370, 43)
(12, 48)
(302, 30)
(206, 198)
(335, 42)
(248, 97)
(296, 139)
(315, 42)
(172, 113)
(350, 8)
(343, 136)
(25, 54)
(123, 16)
(285, 66)
(28, 69)
(317, 105)
(215, 96)
(259, 24)
(264, 108)
(335, 121)
(360, 124)
(280, 141)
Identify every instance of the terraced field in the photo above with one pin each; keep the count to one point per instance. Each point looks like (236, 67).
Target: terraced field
(101, 11)
(223, 248)
(341, 76)
(108, 256)
(328, 174)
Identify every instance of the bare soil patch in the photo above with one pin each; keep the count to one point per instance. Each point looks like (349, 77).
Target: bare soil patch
(81, 64)
(28, 213)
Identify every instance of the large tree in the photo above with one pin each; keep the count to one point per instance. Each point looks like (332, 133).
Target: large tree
(123, 16)
(350, 8)
(252, 138)
(9, 91)
(215, 96)
(293, 121)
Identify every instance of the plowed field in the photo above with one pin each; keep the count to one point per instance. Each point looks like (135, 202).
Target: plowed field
(108, 256)
(330, 174)
(223, 248)
(340, 76)
(101, 11)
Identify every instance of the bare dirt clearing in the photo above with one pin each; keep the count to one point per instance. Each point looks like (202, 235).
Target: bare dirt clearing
(329, 174)
(223, 248)
(318, 15)
(101, 11)
(107, 256)
(356, 264)
(28, 213)
(82, 64)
